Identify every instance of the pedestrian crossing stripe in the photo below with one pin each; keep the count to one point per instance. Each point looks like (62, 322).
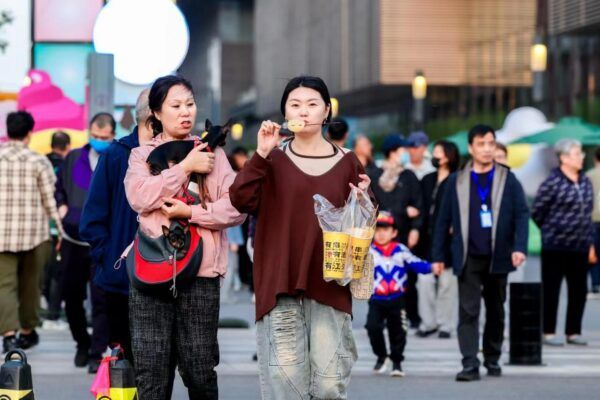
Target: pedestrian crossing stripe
(8, 394)
(121, 394)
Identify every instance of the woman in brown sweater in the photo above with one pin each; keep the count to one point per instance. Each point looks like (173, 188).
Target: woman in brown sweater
(305, 345)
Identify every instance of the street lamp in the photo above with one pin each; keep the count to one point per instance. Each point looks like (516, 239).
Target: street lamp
(539, 60)
(419, 92)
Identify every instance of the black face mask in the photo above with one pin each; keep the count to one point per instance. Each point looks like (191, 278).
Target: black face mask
(435, 162)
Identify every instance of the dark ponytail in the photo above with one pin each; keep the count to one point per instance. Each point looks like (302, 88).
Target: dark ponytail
(158, 94)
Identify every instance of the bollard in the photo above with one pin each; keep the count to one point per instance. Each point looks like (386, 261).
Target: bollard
(15, 377)
(525, 324)
(122, 377)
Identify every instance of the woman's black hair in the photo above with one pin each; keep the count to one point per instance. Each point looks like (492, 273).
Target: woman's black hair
(158, 94)
(311, 82)
(451, 152)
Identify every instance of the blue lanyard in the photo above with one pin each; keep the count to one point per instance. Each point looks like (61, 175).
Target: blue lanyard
(483, 191)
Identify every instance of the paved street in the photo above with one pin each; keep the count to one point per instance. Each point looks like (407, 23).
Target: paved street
(569, 372)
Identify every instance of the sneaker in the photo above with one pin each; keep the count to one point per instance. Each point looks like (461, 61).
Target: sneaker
(553, 340)
(397, 370)
(593, 296)
(423, 333)
(55, 325)
(468, 375)
(381, 366)
(82, 358)
(28, 341)
(493, 368)
(94, 364)
(9, 343)
(576, 340)
(444, 335)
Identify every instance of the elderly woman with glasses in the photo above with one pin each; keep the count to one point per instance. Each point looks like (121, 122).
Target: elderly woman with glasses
(563, 210)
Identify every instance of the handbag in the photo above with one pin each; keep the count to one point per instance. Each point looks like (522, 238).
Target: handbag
(170, 262)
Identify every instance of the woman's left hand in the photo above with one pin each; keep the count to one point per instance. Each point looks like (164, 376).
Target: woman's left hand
(364, 183)
(175, 208)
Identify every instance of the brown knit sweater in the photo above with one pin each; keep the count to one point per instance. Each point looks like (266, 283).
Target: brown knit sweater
(288, 246)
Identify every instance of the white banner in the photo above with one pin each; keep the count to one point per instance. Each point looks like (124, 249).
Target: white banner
(15, 43)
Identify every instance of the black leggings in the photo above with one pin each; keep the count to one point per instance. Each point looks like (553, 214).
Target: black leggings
(181, 332)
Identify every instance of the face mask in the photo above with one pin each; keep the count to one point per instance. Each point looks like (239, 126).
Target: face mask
(404, 158)
(99, 145)
(435, 162)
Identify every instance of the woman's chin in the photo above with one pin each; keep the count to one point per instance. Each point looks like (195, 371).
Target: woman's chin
(179, 134)
(309, 131)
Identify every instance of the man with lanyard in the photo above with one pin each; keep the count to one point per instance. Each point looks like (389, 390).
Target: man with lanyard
(484, 207)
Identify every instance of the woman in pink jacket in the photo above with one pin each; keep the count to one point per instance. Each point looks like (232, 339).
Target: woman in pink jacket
(169, 332)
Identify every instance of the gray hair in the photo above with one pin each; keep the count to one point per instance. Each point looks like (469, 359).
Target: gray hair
(564, 146)
(142, 109)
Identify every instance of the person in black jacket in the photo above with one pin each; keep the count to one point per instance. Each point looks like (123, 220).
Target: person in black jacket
(398, 191)
(438, 295)
(563, 211)
(484, 205)
(72, 185)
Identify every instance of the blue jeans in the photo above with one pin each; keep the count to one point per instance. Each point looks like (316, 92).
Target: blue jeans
(306, 350)
(595, 270)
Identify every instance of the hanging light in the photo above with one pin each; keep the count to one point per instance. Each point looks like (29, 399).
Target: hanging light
(539, 57)
(419, 86)
(237, 131)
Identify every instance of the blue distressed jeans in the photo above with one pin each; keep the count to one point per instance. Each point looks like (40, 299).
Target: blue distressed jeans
(306, 350)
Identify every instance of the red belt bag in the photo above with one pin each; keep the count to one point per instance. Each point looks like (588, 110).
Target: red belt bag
(156, 267)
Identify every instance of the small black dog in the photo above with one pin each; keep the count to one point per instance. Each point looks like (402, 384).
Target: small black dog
(176, 235)
(175, 151)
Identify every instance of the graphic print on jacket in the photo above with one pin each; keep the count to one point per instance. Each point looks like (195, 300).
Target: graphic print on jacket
(391, 262)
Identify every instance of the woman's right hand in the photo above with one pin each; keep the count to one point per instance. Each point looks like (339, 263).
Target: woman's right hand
(199, 161)
(268, 138)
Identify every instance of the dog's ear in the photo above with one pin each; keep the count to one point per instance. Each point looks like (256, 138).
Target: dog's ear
(207, 125)
(225, 130)
(166, 231)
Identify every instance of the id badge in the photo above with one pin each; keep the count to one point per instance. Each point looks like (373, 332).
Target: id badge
(486, 218)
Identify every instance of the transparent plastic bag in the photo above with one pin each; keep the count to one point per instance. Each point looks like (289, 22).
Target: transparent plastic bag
(360, 216)
(362, 288)
(335, 241)
(347, 235)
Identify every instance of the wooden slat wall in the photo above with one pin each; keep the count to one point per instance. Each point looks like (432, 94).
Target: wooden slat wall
(457, 42)
(572, 15)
